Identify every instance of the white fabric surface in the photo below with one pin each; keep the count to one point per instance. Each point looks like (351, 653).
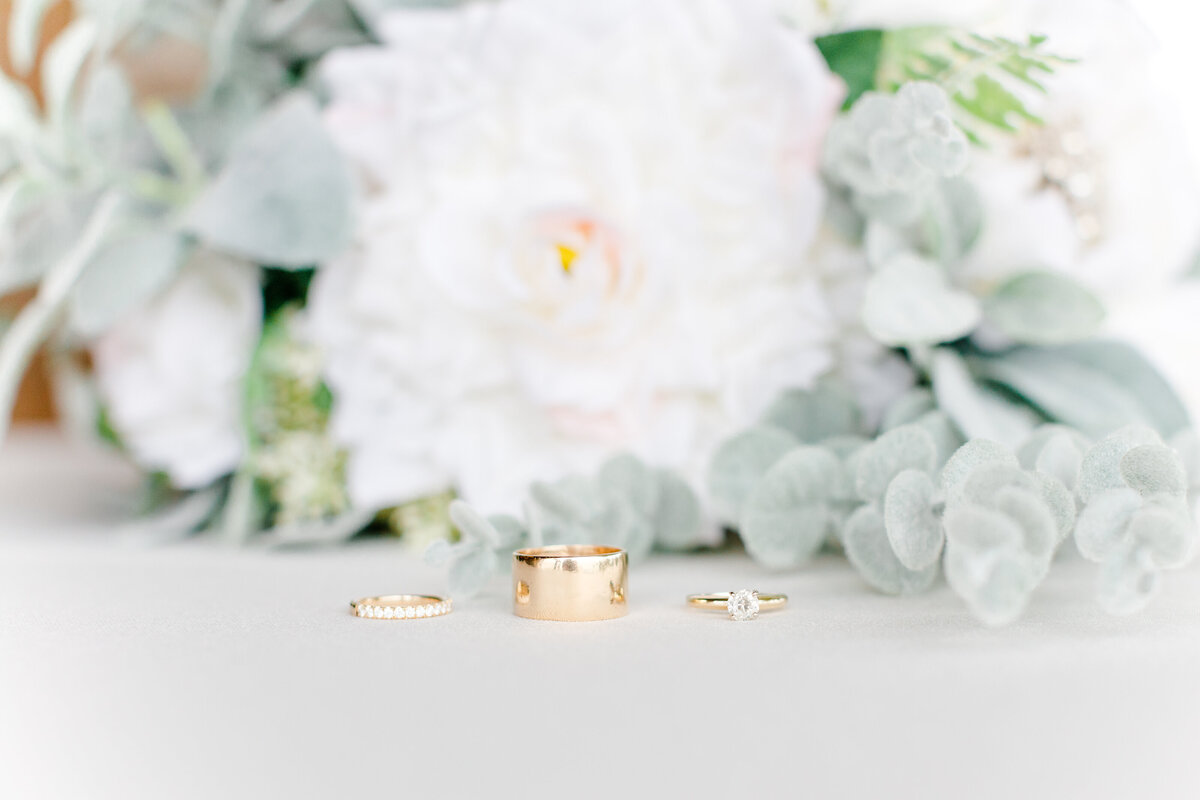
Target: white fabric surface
(192, 669)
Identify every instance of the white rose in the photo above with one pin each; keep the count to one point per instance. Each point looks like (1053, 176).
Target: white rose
(584, 229)
(171, 374)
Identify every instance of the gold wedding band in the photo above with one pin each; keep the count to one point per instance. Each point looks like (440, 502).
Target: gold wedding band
(742, 605)
(570, 583)
(401, 606)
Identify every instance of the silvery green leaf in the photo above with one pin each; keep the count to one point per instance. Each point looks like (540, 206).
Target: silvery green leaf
(944, 433)
(978, 529)
(1044, 308)
(472, 525)
(510, 530)
(1187, 444)
(995, 584)
(471, 572)
(1038, 526)
(676, 521)
(1101, 529)
(913, 527)
(1154, 469)
(625, 476)
(909, 301)
(572, 497)
(979, 411)
(1060, 501)
(62, 65)
(618, 524)
(739, 464)
(954, 221)
(827, 410)
(911, 406)
(967, 459)
(1127, 582)
(938, 145)
(865, 539)
(846, 450)
(124, 275)
(786, 517)
(1164, 531)
(107, 117)
(24, 32)
(906, 447)
(438, 553)
(1101, 466)
(986, 480)
(1031, 448)
(1061, 457)
(284, 195)
(1093, 386)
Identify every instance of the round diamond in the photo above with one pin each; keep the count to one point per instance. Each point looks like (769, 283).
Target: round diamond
(743, 605)
(378, 612)
(410, 612)
(389, 612)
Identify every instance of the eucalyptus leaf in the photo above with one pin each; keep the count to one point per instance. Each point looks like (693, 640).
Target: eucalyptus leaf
(911, 406)
(740, 462)
(978, 410)
(786, 517)
(1101, 466)
(472, 525)
(970, 457)
(812, 415)
(284, 194)
(1095, 387)
(123, 276)
(865, 539)
(1101, 528)
(995, 584)
(1044, 308)
(677, 521)
(908, 301)
(24, 32)
(1154, 469)
(1165, 534)
(906, 447)
(913, 528)
(1127, 582)
(625, 476)
(470, 573)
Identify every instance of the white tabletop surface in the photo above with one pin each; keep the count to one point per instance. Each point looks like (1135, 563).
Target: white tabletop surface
(197, 670)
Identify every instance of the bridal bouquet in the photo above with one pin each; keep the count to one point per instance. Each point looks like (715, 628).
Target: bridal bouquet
(646, 271)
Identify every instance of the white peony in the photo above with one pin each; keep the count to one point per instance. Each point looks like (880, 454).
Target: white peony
(171, 374)
(583, 229)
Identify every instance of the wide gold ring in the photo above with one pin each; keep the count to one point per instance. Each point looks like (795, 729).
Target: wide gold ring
(401, 606)
(570, 583)
(742, 605)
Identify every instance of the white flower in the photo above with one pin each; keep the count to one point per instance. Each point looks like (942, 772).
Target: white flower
(171, 374)
(583, 229)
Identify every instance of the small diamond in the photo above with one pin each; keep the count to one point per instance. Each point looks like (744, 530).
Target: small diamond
(420, 611)
(743, 605)
(378, 612)
(410, 612)
(360, 610)
(389, 612)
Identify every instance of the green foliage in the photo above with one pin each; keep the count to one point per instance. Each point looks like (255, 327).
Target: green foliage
(1043, 308)
(985, 76)
(853, 56)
